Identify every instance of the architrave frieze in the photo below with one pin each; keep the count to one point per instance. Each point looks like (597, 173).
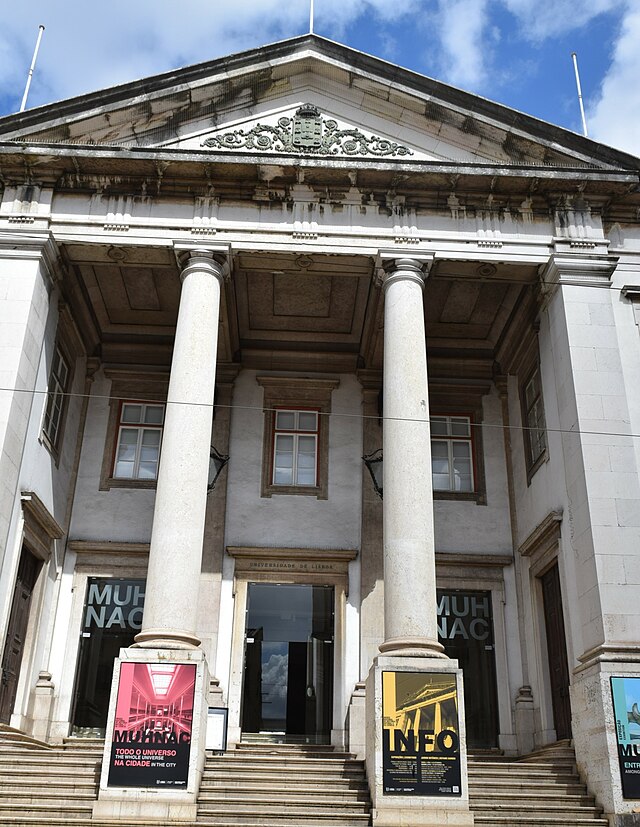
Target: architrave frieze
(308, 133)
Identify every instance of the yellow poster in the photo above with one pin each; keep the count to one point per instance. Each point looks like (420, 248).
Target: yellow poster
(420, 734)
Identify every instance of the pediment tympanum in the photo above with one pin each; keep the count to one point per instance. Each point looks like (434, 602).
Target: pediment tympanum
(307, 132)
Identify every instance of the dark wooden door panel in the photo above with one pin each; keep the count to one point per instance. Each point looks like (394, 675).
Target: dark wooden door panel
(28, 570)
(557, 652)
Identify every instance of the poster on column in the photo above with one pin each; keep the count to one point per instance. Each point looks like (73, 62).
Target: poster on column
(420, 734)
(626, 712)
(152, 730)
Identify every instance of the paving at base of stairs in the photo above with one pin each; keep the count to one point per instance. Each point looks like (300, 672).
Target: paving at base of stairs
(285, 785)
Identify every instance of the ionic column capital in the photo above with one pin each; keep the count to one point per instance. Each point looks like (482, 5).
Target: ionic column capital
(392, 268)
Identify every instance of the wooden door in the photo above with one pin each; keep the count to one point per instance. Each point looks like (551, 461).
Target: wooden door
(28, 570)
(557, 652)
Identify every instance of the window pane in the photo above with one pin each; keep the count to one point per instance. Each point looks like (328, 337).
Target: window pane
(123, 470)
(147, 470)
(285, 420)
(283, 464)
(306, 470)
(532, 390)
(283, 476)
(132, 413)
(126, 454)
(307, 445)
(307, 421)
(440, 465)
(439, 425)
(460, 426)
(154, 414)
(462, 471)
(150, 438)
(306, 476)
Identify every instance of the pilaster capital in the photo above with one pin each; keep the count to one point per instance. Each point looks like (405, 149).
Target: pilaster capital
(392, 267)
(577, 269)
(212, 258)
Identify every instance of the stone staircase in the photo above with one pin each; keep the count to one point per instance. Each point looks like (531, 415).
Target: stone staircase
(42, 785)
(542, 789)
(278, 785)
(284, 784)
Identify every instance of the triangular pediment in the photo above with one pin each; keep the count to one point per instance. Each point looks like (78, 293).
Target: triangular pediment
(325, 128)
(308, 97)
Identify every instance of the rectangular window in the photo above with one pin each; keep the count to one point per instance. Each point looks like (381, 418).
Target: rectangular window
(452, 453)
(139, 438)
(57, 388)
(535, 433)
(295, 448)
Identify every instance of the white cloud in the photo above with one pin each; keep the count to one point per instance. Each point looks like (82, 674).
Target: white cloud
(615, 118)
(465, 42)
(88, 46)
(540, 19)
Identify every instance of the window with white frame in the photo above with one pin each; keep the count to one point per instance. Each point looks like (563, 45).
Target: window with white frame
(452, 453)
(137, 450)
(57, 388)
(295, 448)
(533, 410)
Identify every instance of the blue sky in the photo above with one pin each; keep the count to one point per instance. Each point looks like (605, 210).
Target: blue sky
(517, 52)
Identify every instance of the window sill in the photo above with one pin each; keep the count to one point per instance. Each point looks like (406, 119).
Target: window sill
(476, 497)
(112, 482)
(296, 490)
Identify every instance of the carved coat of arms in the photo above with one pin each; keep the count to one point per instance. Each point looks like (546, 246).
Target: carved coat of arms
(308, 132)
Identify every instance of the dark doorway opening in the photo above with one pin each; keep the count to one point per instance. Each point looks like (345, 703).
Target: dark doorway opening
(28, 571)
(288, 667)
(465, 629)
(557, 651)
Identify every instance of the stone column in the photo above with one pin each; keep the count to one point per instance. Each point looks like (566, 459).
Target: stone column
(170, 619)
(175, 555)
(410, 655)
(410, 615)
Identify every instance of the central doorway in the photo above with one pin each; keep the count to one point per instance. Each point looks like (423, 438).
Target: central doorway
(288, 662)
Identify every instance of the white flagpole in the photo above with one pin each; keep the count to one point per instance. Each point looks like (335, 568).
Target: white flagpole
(311, 18)
(33, 66)
(584, 120)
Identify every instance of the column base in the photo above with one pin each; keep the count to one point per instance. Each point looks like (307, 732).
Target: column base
(412, 647)
(156, 734)
(163, 639)
(416, 752)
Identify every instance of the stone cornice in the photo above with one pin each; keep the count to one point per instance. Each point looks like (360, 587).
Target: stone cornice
(543, 535)
(40, 526)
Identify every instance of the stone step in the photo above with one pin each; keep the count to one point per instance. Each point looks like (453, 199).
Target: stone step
(531, 807)
(9, 733)
(14, 785)
(44, 808)
(269, 795)
(271, 764)
(285, 818)
(270, 781)
(276, 804)
(499, 786)
(538, 820)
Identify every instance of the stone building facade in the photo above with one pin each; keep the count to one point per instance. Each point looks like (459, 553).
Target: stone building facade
(300, 256)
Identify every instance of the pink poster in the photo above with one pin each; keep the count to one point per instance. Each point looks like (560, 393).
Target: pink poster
(152, 729)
